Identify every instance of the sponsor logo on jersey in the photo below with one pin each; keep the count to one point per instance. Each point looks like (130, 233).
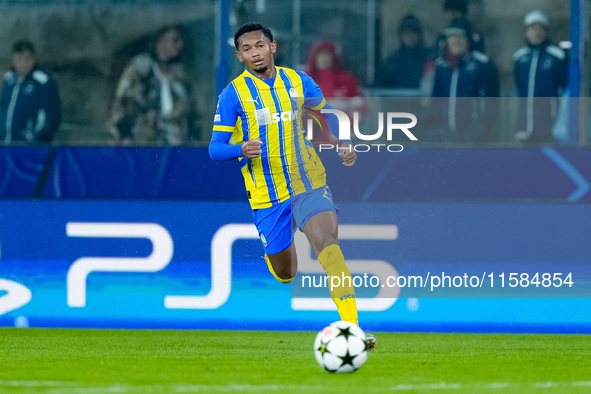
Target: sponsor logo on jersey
(256, 100)
(264, 116)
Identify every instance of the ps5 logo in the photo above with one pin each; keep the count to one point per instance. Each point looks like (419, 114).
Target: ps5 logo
(162, 252)
(222, 242)
(17, 296)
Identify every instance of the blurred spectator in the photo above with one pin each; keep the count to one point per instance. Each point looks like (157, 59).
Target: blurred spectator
(465, 77)
(458, 9)
(30, 107)
(153, 102)
(540, 71)
(405, 68)
(340, 88)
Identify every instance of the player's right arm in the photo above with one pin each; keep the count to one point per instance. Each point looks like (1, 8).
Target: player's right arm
(221, 149)
(225, 121)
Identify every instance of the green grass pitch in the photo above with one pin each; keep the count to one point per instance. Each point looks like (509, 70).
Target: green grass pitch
(126, 361)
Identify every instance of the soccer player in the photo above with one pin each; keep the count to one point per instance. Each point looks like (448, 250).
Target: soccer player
(284, 177)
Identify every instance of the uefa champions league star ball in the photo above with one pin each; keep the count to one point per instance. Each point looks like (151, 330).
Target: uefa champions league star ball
(340, 347)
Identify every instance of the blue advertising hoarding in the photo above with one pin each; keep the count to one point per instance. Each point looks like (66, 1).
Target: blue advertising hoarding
(199, 265)
(188, 173)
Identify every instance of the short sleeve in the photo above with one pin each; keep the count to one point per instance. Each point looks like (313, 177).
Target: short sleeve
(314, 98)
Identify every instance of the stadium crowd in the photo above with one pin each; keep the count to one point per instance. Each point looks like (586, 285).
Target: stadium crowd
(155, 101)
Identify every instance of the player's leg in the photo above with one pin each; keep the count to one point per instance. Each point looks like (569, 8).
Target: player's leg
(283, 265)
(275, 230)
(322, 233)
(315, 214)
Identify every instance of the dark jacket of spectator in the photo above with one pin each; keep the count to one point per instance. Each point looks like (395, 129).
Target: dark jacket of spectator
(473, 75)
(465, 81)
(30, 109)
(405, 67)
(540, 71)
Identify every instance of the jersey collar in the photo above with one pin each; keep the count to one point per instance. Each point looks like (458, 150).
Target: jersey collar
(268, 81)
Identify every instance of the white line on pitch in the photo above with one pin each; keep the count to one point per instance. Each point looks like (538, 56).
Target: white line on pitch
(55, 387)
(36, 383)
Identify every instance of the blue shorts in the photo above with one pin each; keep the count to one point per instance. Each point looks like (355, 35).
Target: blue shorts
(276, 225)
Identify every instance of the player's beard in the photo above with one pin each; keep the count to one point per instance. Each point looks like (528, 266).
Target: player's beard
(262, 69)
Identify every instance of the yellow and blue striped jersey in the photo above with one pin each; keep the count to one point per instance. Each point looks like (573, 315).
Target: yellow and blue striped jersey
(270, 110)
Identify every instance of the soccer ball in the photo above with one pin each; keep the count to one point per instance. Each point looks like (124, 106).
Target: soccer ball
(340, 347)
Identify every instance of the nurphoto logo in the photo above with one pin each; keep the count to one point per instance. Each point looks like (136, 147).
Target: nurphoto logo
(393, 124)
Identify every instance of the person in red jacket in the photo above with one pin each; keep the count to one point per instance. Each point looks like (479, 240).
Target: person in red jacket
(338, 85)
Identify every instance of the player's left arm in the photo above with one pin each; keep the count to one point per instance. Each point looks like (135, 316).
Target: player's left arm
(314, 99)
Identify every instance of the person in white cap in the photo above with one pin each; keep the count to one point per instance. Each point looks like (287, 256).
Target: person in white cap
(540, 76)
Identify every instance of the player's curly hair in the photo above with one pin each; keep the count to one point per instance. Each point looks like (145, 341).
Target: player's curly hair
(250, 27)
